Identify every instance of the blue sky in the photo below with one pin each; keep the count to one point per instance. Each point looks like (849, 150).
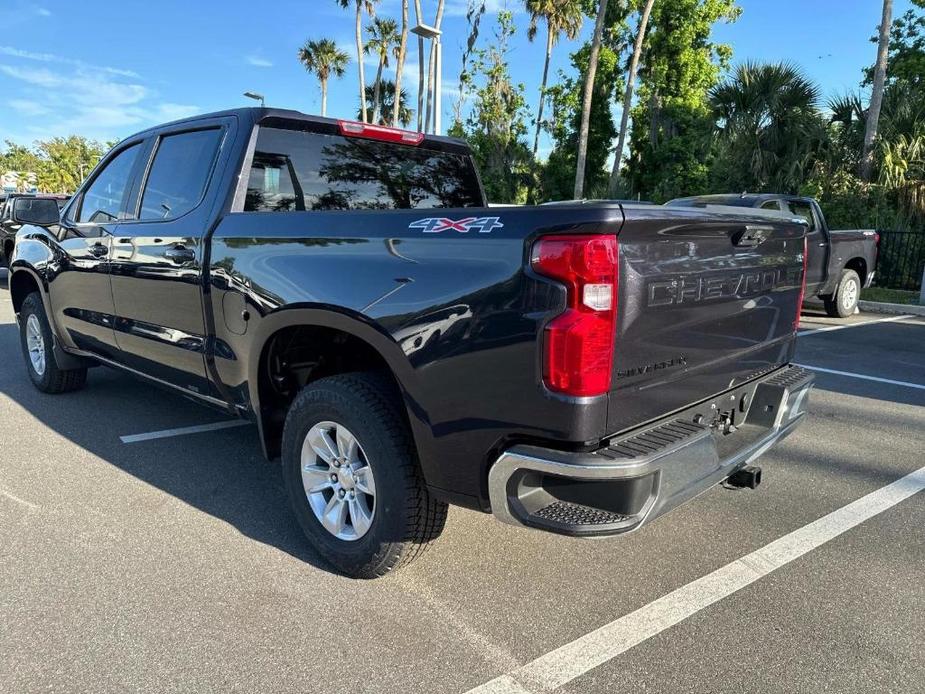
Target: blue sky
(106, 70)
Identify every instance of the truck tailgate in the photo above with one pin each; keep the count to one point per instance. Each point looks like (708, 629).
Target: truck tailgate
(706, 302)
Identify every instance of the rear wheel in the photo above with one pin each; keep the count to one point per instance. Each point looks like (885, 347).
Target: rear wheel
(353, 477)
(38, 349)
(847, 294)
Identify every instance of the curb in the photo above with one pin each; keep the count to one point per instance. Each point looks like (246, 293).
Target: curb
(892, 309)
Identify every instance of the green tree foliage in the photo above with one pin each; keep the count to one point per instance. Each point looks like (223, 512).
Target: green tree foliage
(60, 164)
(387, 97)
(497, 124)
(670, 142)
(906, 55)
(769, 128)
(558, 178)
(558, 174)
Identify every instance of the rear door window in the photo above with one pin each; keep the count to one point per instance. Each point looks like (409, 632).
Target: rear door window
(805, 211)
(297, 170)
(179, 174)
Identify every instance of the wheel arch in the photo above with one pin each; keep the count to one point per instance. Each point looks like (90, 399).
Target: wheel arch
(365, 345)
(23, 281)
(859, 265)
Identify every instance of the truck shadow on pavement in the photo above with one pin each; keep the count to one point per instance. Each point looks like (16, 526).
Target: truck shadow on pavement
(223, 474)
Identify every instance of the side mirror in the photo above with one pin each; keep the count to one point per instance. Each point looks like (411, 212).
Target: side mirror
(40, 211)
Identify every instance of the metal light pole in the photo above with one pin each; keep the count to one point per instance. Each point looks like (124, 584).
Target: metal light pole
(256, 97)
(425, 31)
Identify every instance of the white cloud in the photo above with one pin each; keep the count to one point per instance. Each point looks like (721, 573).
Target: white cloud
(43, 12)
(52, 58)
(257, 61)
(27, 107)
(68, 96)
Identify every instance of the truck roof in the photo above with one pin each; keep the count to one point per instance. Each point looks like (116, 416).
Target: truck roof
(255, 114)
(734, 199)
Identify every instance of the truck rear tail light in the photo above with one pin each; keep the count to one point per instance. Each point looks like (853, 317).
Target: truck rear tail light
(796, 321)
(349, 128)
(579, 343)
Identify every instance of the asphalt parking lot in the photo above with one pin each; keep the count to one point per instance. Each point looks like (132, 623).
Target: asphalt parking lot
(171, 563)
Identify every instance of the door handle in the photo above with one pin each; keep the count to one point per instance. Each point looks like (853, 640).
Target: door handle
(750, 236)
(180, 254)
(97, 250)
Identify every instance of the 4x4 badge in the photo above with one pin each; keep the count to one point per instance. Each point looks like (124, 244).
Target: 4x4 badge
(434, 225)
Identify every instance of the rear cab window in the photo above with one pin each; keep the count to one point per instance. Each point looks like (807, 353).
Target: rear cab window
(179, 174)
(302, 170)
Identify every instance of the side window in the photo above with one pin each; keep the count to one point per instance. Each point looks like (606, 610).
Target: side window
(771, 205)
(103, 199)
(178, 176)
(804, 210)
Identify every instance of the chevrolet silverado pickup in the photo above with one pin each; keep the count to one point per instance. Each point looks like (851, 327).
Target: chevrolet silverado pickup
(839, 262)
(400, 345)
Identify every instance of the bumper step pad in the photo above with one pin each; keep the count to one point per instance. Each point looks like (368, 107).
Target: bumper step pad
(568, 513)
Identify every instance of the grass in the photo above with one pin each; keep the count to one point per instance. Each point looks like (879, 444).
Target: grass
(890, 296)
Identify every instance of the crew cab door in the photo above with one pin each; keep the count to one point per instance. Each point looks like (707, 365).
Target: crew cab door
(157, 259)
(78, 284)
(817, 245)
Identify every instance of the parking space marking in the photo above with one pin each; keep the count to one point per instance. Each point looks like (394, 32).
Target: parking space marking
(864, 377)
(830, 328)
(10, 495)
(183, 431)
(561, 666)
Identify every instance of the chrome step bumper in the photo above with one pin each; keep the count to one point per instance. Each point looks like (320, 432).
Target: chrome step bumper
(642, 474)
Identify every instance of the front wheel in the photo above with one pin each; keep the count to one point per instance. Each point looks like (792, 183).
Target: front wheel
(847, 294)
(352, 476)
(38, 349)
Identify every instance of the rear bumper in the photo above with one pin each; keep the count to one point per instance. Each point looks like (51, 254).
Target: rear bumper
(645, 473)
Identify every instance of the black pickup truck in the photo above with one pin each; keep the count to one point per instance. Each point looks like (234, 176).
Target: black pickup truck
(840, 262)
(400, 345)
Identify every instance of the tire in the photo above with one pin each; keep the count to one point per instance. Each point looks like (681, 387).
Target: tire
(405, 518)
(38, 350)
(845, 299)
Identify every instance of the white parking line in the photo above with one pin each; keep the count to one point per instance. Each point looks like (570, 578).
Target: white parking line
(830, 328)
(182, 431)
(572, 660)
(864, 377)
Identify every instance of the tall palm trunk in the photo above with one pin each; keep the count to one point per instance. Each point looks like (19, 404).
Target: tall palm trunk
(876, 95)
(359, 35)
(586, 102)
(377, 92)
(324, 97)
(539, 114)
(402, 47)
(628, 96)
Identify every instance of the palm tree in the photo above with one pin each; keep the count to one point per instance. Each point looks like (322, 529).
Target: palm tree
(628, 95)
(586, 102)
(402, 48)
(323, 59)
(369, 6)
(562, 16)
(876, 95)
(390, 105)
(769, 124)
(383, 40)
